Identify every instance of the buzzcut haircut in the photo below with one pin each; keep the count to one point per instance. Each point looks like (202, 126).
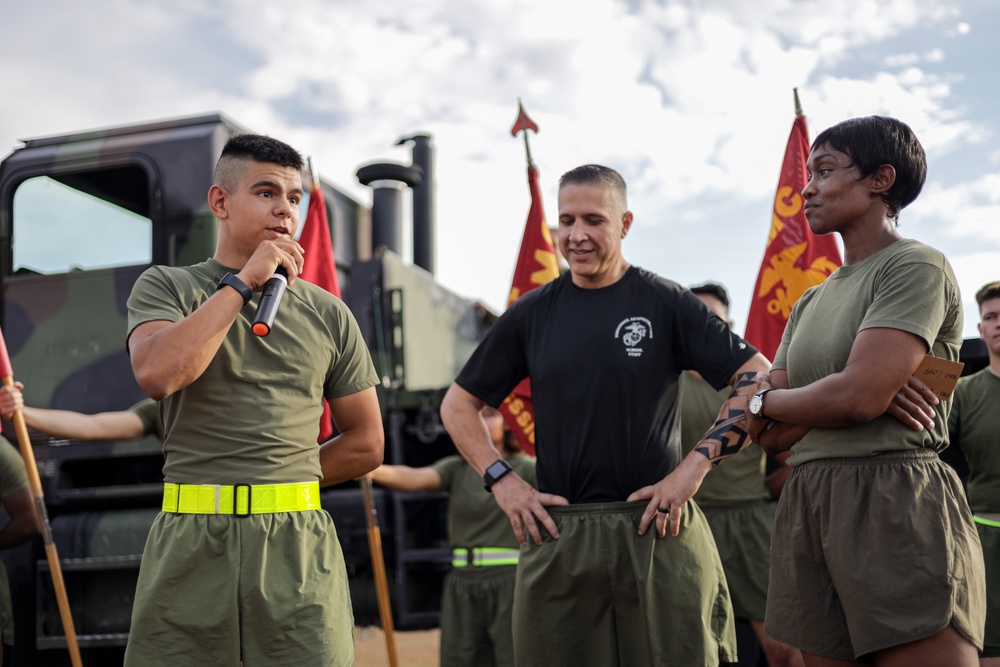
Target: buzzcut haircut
(244, 148)
(713, 289)
(595, 174)
(872, 141)
(987, 292)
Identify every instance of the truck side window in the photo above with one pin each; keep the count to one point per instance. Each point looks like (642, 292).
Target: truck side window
(82, 221)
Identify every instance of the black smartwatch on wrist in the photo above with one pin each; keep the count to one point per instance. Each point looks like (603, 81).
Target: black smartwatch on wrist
(494, 472)
(232, 281)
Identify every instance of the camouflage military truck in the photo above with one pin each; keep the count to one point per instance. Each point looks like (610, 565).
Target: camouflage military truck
(81, 216)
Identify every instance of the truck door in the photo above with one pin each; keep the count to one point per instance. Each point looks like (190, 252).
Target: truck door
(78, 237)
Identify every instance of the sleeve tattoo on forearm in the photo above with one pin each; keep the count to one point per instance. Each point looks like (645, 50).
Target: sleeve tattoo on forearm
(728, 436)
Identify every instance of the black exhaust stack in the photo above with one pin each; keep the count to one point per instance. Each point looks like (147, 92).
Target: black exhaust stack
(387, 181)
(423, 201)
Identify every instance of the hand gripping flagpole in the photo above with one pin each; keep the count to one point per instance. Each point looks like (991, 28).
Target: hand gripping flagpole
(378, 569)
(7, 374)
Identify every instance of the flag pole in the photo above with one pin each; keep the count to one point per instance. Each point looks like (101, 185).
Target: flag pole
(312, 173)
(378, 569)
(794, 258)
(536, 265)
(35, 482)
(524, 123)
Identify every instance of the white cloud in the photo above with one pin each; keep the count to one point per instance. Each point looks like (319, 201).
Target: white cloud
(690, 100)
(962, 28)
(935, 55)
(971, 209)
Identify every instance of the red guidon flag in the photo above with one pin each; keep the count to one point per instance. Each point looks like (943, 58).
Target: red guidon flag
(536, 265)
(795, 259)
(320, 268)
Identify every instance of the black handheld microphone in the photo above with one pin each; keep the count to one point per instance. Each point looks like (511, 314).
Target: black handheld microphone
(270, 297)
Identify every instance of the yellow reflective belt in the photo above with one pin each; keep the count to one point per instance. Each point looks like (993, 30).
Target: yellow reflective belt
(483, 556)
(992, 521)
(249, 499)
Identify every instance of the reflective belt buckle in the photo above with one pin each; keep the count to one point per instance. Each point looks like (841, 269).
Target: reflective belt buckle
(237, 499)
(462, 557)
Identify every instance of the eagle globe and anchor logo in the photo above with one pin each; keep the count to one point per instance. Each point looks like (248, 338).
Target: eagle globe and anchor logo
(632, 331)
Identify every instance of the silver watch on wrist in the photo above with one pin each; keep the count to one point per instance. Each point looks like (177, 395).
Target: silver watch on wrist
(756, 404)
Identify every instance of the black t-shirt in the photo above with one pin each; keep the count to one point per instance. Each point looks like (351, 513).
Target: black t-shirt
(604, 367)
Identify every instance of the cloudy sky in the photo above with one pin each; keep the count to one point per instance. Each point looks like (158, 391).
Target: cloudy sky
(691, 100)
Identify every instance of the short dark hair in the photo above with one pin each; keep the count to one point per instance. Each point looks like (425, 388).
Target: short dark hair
(258, 148)
(713, 289)
(872, 141)
(987, 292)
(594, 174)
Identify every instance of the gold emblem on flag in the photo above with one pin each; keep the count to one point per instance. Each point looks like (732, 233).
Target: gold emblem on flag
(793, 281)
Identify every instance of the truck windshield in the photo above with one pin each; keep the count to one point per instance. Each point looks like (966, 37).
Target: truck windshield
(81, 221)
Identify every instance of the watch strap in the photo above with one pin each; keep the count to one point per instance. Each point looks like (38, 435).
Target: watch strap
(229, 280)
(494, 472)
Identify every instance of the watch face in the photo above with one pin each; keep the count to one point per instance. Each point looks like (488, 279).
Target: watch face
(756, 403)
(496, 470)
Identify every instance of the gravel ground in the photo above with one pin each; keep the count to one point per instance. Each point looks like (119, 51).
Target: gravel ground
(417, 648)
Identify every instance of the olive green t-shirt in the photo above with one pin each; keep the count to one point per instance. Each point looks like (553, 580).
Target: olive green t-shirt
(253, 415)
(149, 413)
(906, 286)
(474, 517)
(974, 425)
(13, 474)
(739, 478)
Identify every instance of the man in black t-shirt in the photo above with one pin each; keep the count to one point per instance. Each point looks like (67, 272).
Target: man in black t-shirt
(604, 346)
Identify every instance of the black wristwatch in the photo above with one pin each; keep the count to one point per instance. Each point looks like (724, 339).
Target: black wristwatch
(238, 285)
(756, 404)
(494, 472)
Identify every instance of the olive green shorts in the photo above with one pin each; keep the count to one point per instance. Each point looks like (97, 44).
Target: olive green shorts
(990, 538)
(603, 595)
(476, 613)
(270, 589)
(874, 552)
(743, 536)
(6, 609)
